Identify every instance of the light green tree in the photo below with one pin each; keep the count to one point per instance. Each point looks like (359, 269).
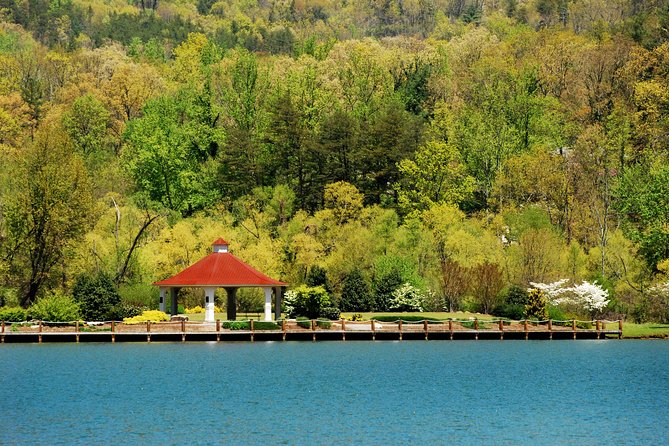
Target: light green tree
(436, 175)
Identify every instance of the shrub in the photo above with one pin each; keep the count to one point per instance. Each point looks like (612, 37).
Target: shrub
(55, 307)
(355, 317)
(194, 310)
(146, 316)
(330, 313)
(556, 313)
(13, 314)
(304, 322)
(405, 318)
(96, 296)
(516, 296)
(140, 295)
(310, 302)
(536, 305)
(510, 311)
(355, 293)
(125, 310)
(323, 323)
(265, 325)
(236, 325)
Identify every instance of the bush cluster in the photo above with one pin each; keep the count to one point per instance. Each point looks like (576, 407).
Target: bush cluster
(13, 314)
(55, 307)
(310, 302)
(97, 297)
(146, 316)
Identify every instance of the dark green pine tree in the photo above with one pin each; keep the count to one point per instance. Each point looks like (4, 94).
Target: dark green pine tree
(355, 293)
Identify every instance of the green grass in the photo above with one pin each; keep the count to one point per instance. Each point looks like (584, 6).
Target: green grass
(647, 330)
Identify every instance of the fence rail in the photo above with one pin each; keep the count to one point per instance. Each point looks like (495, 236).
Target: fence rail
(251, 330)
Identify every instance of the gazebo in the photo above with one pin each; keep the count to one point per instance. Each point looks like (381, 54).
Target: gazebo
(220, 269)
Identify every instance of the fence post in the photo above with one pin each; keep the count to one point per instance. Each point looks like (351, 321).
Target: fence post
(3, 332)
(501, 330)
(283, 329)
(526, 329)
(550, 329)
(39, 336)
(183, 330)
(313, 330)
(113, 331)
(573, 327)
(400, 327)
(252, 329)
(598, 327)
(476, 328)
(450, 328)
(425, 325)
(76, 330)
(373, 331)
(343, 329)
(620, 328)
(218, 330)
(148, 331)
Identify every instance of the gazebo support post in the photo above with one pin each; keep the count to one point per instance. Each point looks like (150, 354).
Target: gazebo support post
(209, 296)
(163, 294)
(277, 302)
(268, 303)
(232, 303)
(174, 292)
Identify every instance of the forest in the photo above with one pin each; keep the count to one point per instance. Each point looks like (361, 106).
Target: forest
(458, 149)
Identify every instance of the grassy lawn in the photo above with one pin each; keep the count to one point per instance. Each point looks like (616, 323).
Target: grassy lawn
(647, 330)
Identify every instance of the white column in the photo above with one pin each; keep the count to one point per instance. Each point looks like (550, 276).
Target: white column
(209, 293)
(163, 293)
(268, 303)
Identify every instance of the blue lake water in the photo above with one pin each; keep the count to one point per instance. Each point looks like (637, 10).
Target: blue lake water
(467, 392)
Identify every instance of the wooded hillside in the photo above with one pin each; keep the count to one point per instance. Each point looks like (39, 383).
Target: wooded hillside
(465, 147)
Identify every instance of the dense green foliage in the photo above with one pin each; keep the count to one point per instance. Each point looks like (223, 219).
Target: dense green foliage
(55, 307)
(535, 308)
(97, 297)
(13, 314)
(461, 147)
(310, 302)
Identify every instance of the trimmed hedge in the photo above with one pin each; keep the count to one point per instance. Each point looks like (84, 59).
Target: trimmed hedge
(246, 325)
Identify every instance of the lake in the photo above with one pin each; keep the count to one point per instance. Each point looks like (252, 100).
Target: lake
(462, 392)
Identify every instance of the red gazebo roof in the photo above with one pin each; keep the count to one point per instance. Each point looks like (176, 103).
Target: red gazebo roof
(220, 269)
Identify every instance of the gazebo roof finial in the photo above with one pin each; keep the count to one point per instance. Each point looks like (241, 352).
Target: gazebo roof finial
(220, 245)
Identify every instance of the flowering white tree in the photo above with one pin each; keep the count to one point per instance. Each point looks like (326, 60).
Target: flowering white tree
(407, 298)
(552, 290)
(659, 302)
(589, 296)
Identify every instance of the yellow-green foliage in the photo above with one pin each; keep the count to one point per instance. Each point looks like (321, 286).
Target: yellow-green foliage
(198, 309)
(194, 310)
(150, 315)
